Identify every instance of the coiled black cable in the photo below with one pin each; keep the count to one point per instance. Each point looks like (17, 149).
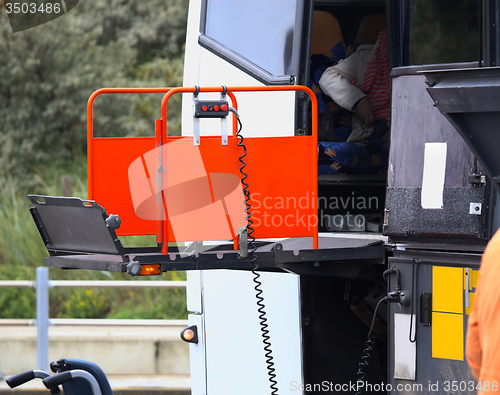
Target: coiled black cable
(258, 284)
(368, 347)
(263, 328)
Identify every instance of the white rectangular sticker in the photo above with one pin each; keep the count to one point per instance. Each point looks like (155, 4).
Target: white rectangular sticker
(433, 179)
(405, 352)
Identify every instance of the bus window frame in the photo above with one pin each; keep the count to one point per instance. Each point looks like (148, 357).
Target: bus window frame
(246, 65)
(490, 33)
(399, 31)
(421, 68)
(398, 26)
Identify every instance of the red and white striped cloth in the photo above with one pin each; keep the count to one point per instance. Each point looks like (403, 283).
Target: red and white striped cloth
(377, 81)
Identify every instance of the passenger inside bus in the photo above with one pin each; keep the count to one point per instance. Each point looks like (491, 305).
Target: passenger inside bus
(339, 153)
(361, 83)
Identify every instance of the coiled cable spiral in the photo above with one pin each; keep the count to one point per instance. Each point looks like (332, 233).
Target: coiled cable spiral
(251, 251)
(368, 347)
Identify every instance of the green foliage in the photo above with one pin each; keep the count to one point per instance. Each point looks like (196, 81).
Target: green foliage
(83, 303)
(17, 302)
(155, 304)
(43, 96)
(48, 73)
(20, 243)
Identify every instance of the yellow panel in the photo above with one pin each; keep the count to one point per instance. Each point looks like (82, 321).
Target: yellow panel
(474, 277)
(448, 336)
(447, 289)
(472, 297)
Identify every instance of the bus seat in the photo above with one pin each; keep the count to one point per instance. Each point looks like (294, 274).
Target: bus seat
(353, 158)
(326, 33)
(366, 32)
(327, 49)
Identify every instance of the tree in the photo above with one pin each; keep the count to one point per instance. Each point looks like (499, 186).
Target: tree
(48, 73)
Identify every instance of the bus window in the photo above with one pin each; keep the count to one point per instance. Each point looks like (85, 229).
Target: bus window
(443, 31)
(260, 37)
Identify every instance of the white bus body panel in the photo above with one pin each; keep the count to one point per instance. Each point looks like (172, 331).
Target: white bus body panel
(234, 354)
(262, 114)
(197, 357)
(233, 360)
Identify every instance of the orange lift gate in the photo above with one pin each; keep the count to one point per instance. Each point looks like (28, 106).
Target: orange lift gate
(180, 191)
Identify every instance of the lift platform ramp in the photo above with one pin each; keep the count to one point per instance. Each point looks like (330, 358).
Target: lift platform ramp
(199, 190)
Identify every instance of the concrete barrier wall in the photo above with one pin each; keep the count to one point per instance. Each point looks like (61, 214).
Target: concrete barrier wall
(127, 350)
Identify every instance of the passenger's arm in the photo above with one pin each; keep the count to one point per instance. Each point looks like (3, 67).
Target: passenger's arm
(365, 112)
(336, 83)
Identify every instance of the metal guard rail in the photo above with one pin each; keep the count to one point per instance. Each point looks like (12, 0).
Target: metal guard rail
(42, 286)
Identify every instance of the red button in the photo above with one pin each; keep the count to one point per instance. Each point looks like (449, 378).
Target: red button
(216, 108)
(224, 107)
(204, 108)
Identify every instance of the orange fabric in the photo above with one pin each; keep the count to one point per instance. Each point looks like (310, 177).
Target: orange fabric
(483, 332)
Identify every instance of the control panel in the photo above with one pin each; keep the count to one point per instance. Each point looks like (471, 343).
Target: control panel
(211, 109)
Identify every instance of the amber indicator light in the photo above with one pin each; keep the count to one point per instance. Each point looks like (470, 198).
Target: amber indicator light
(190, 334)
(150, 270)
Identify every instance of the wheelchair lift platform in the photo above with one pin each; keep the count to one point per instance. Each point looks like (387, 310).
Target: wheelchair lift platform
(210, 199)
(80, 235)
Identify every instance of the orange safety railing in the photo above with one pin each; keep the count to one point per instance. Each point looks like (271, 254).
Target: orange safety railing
(129, 176)
(108, 159)
(90, 124)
